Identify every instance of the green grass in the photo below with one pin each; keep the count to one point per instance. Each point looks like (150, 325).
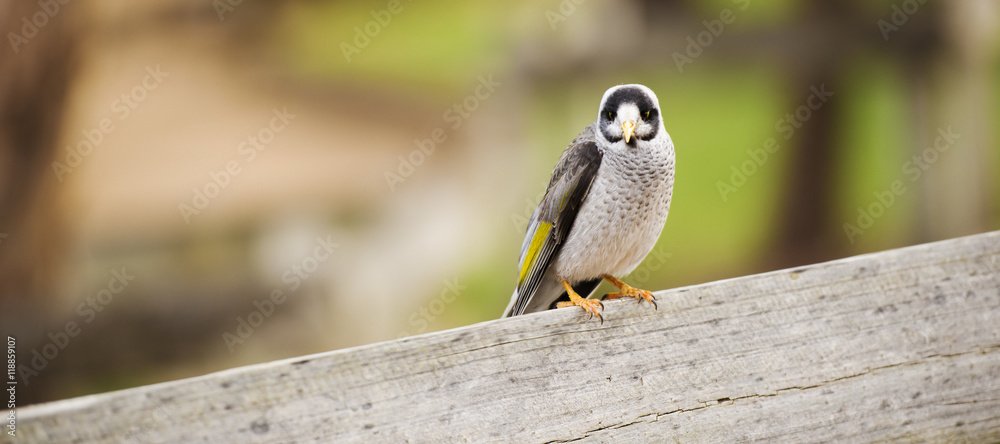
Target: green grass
(874, 147)
(441, 45)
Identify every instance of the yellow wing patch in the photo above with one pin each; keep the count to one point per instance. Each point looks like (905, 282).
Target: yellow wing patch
(541, 233)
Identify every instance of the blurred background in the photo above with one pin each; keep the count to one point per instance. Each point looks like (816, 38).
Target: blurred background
(188, 186)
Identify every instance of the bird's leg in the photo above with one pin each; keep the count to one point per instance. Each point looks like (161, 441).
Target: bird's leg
(629, 291)
(591, 306)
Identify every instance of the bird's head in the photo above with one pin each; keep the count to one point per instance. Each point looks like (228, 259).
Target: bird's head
(630, 114)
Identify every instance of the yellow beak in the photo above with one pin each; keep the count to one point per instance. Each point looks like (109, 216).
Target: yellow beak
(628, 127)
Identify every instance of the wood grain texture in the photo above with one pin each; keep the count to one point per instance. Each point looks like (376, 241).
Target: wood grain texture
(902, 345)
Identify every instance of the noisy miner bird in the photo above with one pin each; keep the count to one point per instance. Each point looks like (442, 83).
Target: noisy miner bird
(604, 208)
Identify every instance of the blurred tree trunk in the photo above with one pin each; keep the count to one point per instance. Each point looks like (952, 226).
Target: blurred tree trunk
(36, 67)
(806, 232)
(958, 93)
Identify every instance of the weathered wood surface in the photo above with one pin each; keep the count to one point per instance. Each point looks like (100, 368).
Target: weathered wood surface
(902, 345)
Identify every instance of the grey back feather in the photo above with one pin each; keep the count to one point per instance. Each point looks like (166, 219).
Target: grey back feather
(568, 188)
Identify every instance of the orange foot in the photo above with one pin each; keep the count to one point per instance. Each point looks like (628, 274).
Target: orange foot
(591, 306)
(629, 291)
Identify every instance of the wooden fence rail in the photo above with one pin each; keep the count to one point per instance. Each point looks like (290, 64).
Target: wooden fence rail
(902, 345)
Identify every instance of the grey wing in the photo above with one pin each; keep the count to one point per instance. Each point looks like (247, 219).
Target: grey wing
(551, 222)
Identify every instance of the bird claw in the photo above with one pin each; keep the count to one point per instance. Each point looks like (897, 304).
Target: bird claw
(591, 306)
(632, 292)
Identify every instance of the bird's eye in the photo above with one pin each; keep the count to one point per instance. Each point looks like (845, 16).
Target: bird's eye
(647, 114)
(611, 115)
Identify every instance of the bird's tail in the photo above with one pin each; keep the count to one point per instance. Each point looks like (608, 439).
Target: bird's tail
(508, 312)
